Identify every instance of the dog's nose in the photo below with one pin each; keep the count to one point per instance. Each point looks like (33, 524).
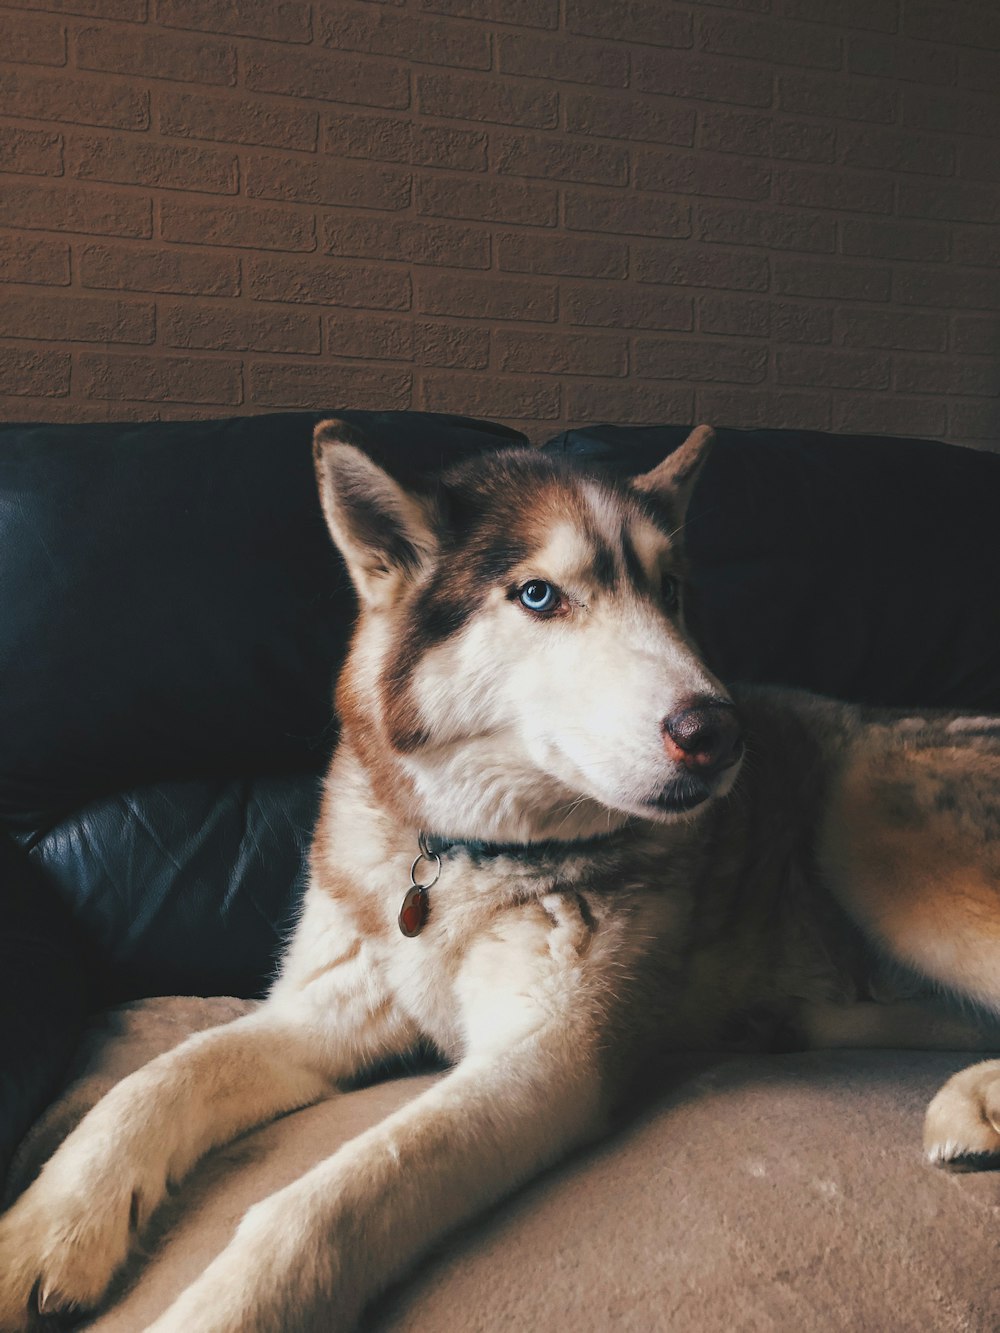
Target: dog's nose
(705, 736)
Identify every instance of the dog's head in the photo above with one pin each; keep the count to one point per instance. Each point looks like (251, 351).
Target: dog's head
(520, 668)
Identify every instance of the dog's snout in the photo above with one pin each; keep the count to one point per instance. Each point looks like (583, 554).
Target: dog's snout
(704, 735)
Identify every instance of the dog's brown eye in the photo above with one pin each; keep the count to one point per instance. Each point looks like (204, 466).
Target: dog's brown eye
(670, 592)
(538, 596)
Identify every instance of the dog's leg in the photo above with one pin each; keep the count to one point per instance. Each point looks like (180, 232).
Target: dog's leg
(64, 1239)
(312, 1255)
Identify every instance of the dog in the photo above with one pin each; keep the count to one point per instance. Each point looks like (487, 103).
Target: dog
(556, 848)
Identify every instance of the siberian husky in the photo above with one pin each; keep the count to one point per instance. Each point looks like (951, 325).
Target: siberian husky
(554, 846)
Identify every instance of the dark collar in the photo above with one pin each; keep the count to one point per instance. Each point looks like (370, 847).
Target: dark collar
(437, 845)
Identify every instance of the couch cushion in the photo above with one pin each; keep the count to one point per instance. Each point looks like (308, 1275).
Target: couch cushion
(764, 1193)
(863, 567)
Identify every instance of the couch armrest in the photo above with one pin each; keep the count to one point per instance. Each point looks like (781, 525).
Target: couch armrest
(44, 995)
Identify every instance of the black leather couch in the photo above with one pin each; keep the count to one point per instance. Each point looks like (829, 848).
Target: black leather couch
(172, 616)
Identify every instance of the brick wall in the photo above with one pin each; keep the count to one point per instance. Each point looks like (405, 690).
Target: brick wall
(543, 211)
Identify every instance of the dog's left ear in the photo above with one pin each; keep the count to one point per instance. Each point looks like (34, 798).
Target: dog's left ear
(383, 532)
(672, 481)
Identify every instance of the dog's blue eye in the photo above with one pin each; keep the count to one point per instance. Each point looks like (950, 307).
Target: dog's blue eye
(539, 596)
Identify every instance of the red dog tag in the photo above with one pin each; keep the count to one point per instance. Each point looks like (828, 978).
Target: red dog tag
(413, 912)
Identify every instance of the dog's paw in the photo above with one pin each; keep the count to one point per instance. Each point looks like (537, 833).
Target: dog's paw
(962, 1126)
(60, 1247)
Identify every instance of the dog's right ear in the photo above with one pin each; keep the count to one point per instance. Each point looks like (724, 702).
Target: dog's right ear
(383, 532)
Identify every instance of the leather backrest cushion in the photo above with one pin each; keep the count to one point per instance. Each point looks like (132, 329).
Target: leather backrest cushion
(170, 601)
(866, 568)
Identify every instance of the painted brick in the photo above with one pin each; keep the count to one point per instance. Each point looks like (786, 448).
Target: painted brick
(977, 245)
(979, 70)
(894, 150)
(129, 161)
(561, 353)
(752, 409)
(756, 135)
(235, 329)
(965, 22)
(278, 20)
(599, 305)
(678, 359)
(803, 141)
(151, 379)
(311, 180)
(156, 55)
(33, 259)
(706, 78)
(949, 288)
(576, 256)
(700, 173)
(312, 282)
(46, 95)
(387, 32)
(77, 209)
(441, 244)
(524, 13)
(888, 414)
(776, 230)
(895, 240)
(893, 329)
(971, 421)
(560, 159)
(629, 117)
(32, 40)
(948, 111)
(562, 58)
(468, 296)
(880, 15)
(940, 375)
(487, 200)
(835, 280)
(251, 228)
(631, 403)
(647, 21)
(491, 396)
(127, 11)
(854, 191)
(958, 201)
(774, 40)
(77, 318)
(459, 346)
(828, 368)
(501, 101)
(689, 266)
(34, 374)
(736, 316)
(977, 334)
(231, 118)
(843, 98)
(393, 139)
(30, 152)
(979, 159)
(794, 322)
(182, 272)
(895, 58)
(626, 213)
(369, 336)
(330, 76)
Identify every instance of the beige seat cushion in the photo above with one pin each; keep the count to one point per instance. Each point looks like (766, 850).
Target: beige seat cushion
(758, 1193)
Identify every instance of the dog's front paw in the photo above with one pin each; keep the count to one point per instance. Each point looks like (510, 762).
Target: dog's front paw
(962, 1126)
(61, 1244)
